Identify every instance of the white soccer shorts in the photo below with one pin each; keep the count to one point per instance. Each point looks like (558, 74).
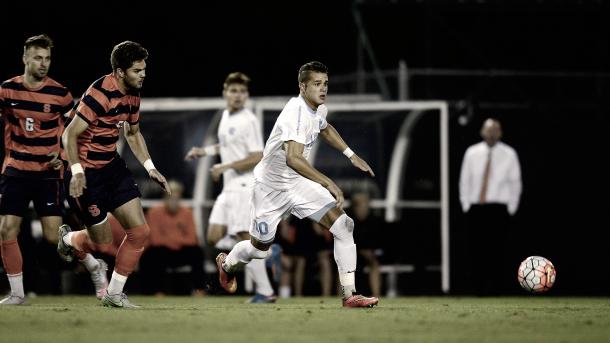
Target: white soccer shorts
(232, 209)
(305, 199)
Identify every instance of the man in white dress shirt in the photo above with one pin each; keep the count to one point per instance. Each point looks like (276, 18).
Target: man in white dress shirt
(285, 182)
(490, 188)
(240, 145)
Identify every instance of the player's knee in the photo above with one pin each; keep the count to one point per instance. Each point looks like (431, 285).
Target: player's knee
(139, 234)
(9, 229)
(343, 228)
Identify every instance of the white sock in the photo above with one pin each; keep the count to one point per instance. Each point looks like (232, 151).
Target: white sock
(237, 257)
(242, 253)
(345, 253)
(16, 282)
(68, 238)
(285, 291)
(90, 262)
(348, 284)
(116, 283)
(258, 272)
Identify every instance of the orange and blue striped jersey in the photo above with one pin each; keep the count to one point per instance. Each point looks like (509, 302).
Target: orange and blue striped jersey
(33, 123)
(104, 107)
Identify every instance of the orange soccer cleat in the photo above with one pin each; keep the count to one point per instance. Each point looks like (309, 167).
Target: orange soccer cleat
(227, 280)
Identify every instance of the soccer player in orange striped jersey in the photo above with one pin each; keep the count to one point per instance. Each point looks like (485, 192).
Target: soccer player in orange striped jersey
(32, 106)
(98, 180)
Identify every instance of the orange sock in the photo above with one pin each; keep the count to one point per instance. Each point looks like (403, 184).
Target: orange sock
(11, 257)
(82, 243)
(131, 249)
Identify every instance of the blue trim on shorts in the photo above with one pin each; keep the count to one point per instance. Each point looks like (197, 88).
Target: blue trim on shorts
(317, 216)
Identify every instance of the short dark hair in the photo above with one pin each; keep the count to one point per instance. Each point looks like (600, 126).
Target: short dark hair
(236, 78)
(307, 68)
(125, 54)
(39, 41)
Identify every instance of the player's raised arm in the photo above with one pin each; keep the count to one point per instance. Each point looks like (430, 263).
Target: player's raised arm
(197, 152)
(332, 137)
(138, 146)
(244, 164)
(296, 161)
(69, 139)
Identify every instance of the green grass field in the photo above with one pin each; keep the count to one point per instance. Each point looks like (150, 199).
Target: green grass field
(228, 319)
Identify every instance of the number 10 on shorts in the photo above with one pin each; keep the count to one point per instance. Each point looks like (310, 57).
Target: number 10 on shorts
(262, 228)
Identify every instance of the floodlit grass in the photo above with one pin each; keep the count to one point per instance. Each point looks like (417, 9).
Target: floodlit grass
(228, 319)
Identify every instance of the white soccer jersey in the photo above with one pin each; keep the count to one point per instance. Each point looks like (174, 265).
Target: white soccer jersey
(239, 134)
(297, 122)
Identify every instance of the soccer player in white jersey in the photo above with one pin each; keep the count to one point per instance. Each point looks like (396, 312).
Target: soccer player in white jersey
(241, 148)
(286, 182)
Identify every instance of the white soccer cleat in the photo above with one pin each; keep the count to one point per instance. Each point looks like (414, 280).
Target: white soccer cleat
(65, 251)
(100, 279)
(117, 300)
(12, 300)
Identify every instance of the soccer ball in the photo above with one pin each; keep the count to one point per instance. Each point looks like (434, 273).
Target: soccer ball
(536, 274)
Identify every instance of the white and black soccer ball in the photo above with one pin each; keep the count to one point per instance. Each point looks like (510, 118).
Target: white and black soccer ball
(536, 274)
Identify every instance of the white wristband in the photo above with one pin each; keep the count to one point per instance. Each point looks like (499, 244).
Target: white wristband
(348, 152)
(210, 150)
(76, 168)
(149, 165)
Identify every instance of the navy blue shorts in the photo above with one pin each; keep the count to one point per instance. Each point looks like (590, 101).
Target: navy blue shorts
(17, 192)
(107, 188)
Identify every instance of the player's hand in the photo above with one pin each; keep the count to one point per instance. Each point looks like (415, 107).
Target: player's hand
(217, 171)
(361, 164)
(56, 163)
(77, 184)
(337, 193)
(194, 153)
(160, 179)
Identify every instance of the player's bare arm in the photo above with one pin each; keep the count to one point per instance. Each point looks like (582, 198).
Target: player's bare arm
(296, 161)
(197, 152)
(332, 137)
(69, 139)
(138, 146)
(242, 165)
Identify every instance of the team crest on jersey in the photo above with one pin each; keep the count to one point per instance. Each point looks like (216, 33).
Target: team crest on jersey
(94, 210)
(231, 130)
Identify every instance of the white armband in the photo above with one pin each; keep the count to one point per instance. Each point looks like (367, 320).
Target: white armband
(348, 152)
(149, 165)
(77, 168)
(210, 150)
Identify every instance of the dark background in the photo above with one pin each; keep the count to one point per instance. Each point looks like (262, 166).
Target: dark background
(541, 67)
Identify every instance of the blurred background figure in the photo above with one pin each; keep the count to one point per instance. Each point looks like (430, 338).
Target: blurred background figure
(369, 227)
(173, 243)
(241, 148)
(323, 243)
(490, 188)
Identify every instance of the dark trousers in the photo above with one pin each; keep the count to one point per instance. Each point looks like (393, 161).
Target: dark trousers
(156, 261)
(489, 266)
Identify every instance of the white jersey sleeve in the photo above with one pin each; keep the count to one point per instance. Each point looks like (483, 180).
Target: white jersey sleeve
(293, 123)
(253, 135)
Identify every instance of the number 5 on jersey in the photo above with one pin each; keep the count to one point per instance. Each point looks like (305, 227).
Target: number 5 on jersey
(29, 124)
